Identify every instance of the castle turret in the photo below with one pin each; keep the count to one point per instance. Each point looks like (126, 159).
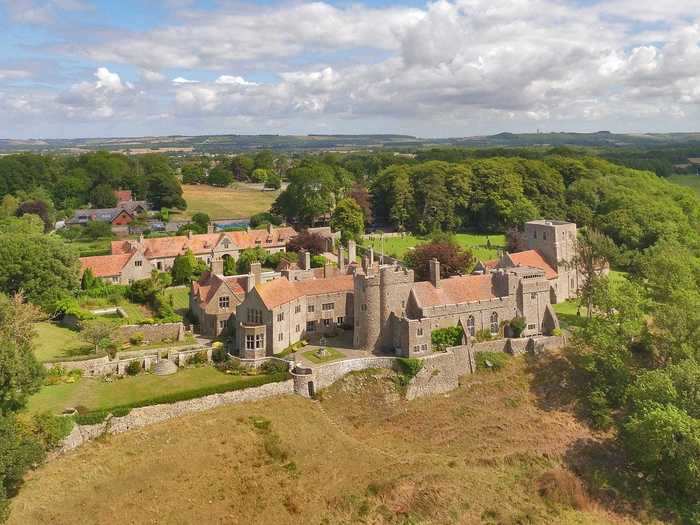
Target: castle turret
(555, 240)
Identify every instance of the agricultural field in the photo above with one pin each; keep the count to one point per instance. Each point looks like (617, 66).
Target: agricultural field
(689, 181)
(476, 242)
(503, 448)
(97, 394)
(239, 201)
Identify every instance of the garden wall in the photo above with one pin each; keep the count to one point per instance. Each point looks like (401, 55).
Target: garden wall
(141, 417)
(152, 333)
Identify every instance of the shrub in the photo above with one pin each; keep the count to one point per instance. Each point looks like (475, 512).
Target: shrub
(274, 367)
(493, 361)
(445, 337)
(136, 338)
(219, 355)
(133, 368)
(199, 358)
(49, 429)
(483, 335)
(517, 326)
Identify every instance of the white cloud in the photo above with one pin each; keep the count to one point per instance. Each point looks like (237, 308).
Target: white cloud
(41, 12)
(234, 80)
(182, 80)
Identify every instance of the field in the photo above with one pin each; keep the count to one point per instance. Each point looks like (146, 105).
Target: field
(500, 449)
(94, 247)
(96, 394)
(240, 201)
(476, 242)
(689, 181)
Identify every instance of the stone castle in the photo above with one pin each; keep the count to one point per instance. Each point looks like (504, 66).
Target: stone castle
(389, 313)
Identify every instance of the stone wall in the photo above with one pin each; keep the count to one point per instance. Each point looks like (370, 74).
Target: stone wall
(141, 417)
(153, 333)
(439, 374)
(97, 366)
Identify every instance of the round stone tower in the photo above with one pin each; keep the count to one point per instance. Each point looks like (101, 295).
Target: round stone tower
(367, 311)
(394, 287)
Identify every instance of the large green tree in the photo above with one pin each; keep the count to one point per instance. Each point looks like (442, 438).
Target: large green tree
(348, 219)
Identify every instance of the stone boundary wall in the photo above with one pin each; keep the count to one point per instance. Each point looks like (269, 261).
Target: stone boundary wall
(438, 375)
(97, 366)
(144, 416)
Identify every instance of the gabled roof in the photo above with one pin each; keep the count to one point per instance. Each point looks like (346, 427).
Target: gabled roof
(534, 259)
(209, 284)
(281, 291)
(123, 195)
(205, 242)
(105, 265)
(454, 290)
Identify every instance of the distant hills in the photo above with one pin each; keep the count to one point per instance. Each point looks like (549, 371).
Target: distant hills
(187, 145)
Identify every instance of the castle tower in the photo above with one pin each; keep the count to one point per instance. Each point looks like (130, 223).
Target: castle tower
(555, 240)
(366, 305)
(394, 287)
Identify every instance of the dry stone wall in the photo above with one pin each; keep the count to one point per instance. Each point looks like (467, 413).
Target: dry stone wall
(153, 333)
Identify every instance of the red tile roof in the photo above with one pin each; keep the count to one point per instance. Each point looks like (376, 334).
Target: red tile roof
(454, 290)
(281, 291)
(204, 243)
(534, 259)
(105, 265)
(123, 195)
(207, 286)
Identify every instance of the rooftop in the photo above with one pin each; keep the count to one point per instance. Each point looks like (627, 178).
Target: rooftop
(281, 291)
(535, 260)
(455, 290)
(105, 265)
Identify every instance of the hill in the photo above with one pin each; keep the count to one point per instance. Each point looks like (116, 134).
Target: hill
(497, 450)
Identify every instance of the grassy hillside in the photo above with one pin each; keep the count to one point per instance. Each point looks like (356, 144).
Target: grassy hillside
(689, 181)
(497, 450)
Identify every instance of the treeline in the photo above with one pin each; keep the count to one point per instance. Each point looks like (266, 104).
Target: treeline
(72, 182)
(262, 167)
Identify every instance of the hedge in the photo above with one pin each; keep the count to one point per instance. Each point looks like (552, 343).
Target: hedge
(98, 416)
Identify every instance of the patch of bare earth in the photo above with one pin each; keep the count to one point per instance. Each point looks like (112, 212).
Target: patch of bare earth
(486, 453)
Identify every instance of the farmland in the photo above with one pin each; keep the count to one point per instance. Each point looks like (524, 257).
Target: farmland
(239, 201)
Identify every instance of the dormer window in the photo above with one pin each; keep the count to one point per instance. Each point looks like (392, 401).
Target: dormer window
(226, 243)
(224, 301)
(138, 263)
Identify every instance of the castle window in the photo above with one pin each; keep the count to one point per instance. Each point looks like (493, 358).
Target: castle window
(310, 309)
(297, 328)
(328, 306)
(311, 326)
(250, 342)
(531, 326)
(471, 326)
(573, 285)
(534, 234)
(419, 331)
(416, 348)
(224, 301)
(544, 236)
(138, 263)
(326, 322)
(297, 309)
(159, 265)
(280, 336)
(363, 307)
(403, 304)
(494, 323)
(223, 323)
(259, 341)
(226, 243)
(340, 320)
(533, 296)
(280, 316)
(424, 347)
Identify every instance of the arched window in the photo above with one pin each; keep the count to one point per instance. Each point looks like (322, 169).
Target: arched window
(494, 323)
(471, 326)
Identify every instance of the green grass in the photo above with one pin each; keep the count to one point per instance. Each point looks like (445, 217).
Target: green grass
(55, 342)
(181, 299)
(566, 311)
(225, 203)
(689, 181)
(136, 313)
(96, 247)
(476, 242)
(96, 394)
(333, 355)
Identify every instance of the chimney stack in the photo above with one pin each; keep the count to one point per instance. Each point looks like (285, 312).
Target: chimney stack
(371, 255)
(341, 258)
(210, 227)
(217, 266)
(328, 270)
(304, 260)
(435, 272)
(189, 234)
(269, 227)
(352, 252)
(255, 271)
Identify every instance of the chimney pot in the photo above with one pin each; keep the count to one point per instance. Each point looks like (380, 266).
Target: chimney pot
(435, 272)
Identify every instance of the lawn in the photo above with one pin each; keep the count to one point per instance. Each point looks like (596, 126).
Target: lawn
(689, 181)
(55, 342)
(476, 242)
(240, 201)
(96, 394)
(92, 247)
(359, 455)
(331, 355)
(181, 298)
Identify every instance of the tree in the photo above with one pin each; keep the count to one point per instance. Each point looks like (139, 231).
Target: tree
(360, 194)
(102, 196)
(186, 267)
(193, 174)
(96, 332)
(8, 206)
(454, 260)
(262, 218)
(220, 176)
(202, 220)
(311, 193)
(242, 166)
(260, 175)
(305, 240)
(97, 230)
(88, 281)
(20, 373)
(42, 266)
(264, 160)
(41, 208)
(273, 180)
(592, 255)
(249, 256)
(348, 218)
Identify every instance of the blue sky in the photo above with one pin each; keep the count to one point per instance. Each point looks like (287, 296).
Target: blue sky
(73, 68)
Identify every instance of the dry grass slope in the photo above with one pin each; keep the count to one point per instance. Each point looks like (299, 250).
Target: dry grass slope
(486, 453)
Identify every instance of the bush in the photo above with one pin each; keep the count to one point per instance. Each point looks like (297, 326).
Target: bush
(136, 338)
(219, 355)
(274, 367)
(483, 335)
(517, 326)
(199, 358)
(49, 429)
(493, 361)
(442, 338)
(133, 368)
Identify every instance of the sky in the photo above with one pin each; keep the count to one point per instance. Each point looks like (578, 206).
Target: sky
(98, 68)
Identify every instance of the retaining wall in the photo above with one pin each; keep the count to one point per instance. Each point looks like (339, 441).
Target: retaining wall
(152, 333)
(141, 417)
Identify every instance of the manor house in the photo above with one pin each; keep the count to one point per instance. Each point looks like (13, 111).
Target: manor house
(388, 312)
